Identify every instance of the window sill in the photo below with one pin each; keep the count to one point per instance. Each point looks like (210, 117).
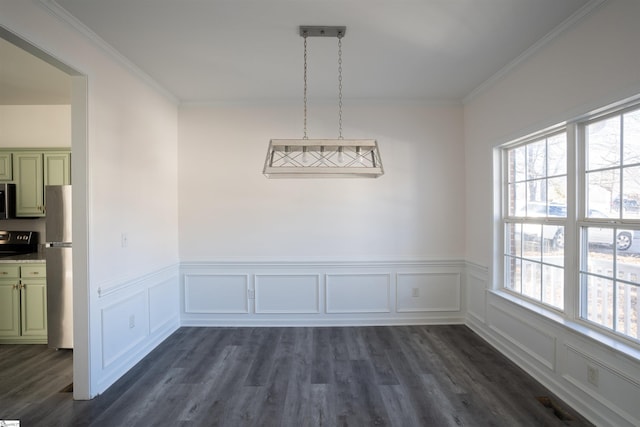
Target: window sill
(627, 350)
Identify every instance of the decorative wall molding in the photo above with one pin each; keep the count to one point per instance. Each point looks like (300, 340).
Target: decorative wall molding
(536, 47)
(477, 285)
(421, 292)
(324, 292)
(316, 263)
(135, 316)
(609, 380)
(61, 13)
(358, 293)
(216, 293)
(588, 355)
(287, 293)
(533, 341)
(114, 286)
(163, 305)
(118, 338)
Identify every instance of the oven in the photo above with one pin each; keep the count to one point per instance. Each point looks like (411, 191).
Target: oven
(14, 243)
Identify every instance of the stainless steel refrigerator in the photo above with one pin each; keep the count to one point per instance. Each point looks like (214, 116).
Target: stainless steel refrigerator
(58, 253)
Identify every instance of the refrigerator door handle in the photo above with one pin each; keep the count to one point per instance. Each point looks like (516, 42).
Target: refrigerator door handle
(58, 245)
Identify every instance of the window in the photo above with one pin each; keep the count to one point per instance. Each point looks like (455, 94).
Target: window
(596, 201)
(609, 252)
(535, 192)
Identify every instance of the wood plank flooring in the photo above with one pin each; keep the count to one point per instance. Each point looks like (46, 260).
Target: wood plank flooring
(358, 376)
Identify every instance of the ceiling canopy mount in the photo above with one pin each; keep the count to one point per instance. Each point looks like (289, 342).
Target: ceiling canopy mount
(322, 31)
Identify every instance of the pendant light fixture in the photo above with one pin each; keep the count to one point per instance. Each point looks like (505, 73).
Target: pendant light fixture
(323, 158)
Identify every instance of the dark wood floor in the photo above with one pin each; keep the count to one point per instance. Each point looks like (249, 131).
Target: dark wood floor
(364, 376)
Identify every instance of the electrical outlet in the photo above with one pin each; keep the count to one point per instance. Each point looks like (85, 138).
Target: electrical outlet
(415, 292)
(593, 375)
(251, 294)
(132, 321)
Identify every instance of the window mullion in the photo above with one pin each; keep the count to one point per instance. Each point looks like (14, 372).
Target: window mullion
(621, 166)
(575, 207)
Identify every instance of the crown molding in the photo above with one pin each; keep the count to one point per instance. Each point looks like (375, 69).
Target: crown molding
(61, 13)
(535, 48)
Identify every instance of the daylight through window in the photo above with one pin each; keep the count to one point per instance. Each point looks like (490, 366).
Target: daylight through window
(602, 211)
(610, 251)
(536, 189)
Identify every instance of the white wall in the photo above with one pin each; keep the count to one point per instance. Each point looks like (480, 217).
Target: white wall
(229, 210)
(35, 126)
(591, 65)
(256, 251)
(129, 169)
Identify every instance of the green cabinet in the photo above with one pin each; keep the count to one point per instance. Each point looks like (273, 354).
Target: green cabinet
(23, 303)
(33, 170)
(9, 301)
(29, 179)
(57, 168)
(6, 166)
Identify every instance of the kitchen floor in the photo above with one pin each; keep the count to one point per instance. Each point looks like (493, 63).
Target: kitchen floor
(34, 379)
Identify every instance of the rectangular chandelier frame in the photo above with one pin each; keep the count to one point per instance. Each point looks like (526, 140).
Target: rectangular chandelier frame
(323, 158)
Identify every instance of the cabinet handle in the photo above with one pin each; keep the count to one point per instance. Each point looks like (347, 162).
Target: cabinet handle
(35, 272)
(22, 286)
(4, 272)
(16, 286)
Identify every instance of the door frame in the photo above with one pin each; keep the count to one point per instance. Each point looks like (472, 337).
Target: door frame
(79, 167)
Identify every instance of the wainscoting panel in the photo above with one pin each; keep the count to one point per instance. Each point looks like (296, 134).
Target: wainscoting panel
(216, 293)
(135, 316)
(358, 293)
(279, 293)
(599, 380)
(163, 305)
(124, 326)
(316, 293)
(534, 342)
(477, 285)
(428, 292)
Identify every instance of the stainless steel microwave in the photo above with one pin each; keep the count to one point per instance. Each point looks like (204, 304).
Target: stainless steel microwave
(7, 201)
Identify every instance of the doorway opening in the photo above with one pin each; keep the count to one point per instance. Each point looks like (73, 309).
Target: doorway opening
(51, 97)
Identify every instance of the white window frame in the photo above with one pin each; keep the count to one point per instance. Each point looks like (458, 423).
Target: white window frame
(507, 219)
(576, 219)
(583, 220)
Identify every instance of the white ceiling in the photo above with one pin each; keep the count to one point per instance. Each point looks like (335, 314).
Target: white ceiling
(250, 50)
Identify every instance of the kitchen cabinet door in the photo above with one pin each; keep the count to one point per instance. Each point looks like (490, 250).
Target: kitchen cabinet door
(9, 308)
(33, 300)
(6, 166)
(57, 168)
(29, 179)
(23, 303)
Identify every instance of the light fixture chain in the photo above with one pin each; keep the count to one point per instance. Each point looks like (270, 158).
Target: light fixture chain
(305, 87)
(320, 158)
(340, 86)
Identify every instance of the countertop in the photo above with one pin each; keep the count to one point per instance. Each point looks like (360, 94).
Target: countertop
(36, 257)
